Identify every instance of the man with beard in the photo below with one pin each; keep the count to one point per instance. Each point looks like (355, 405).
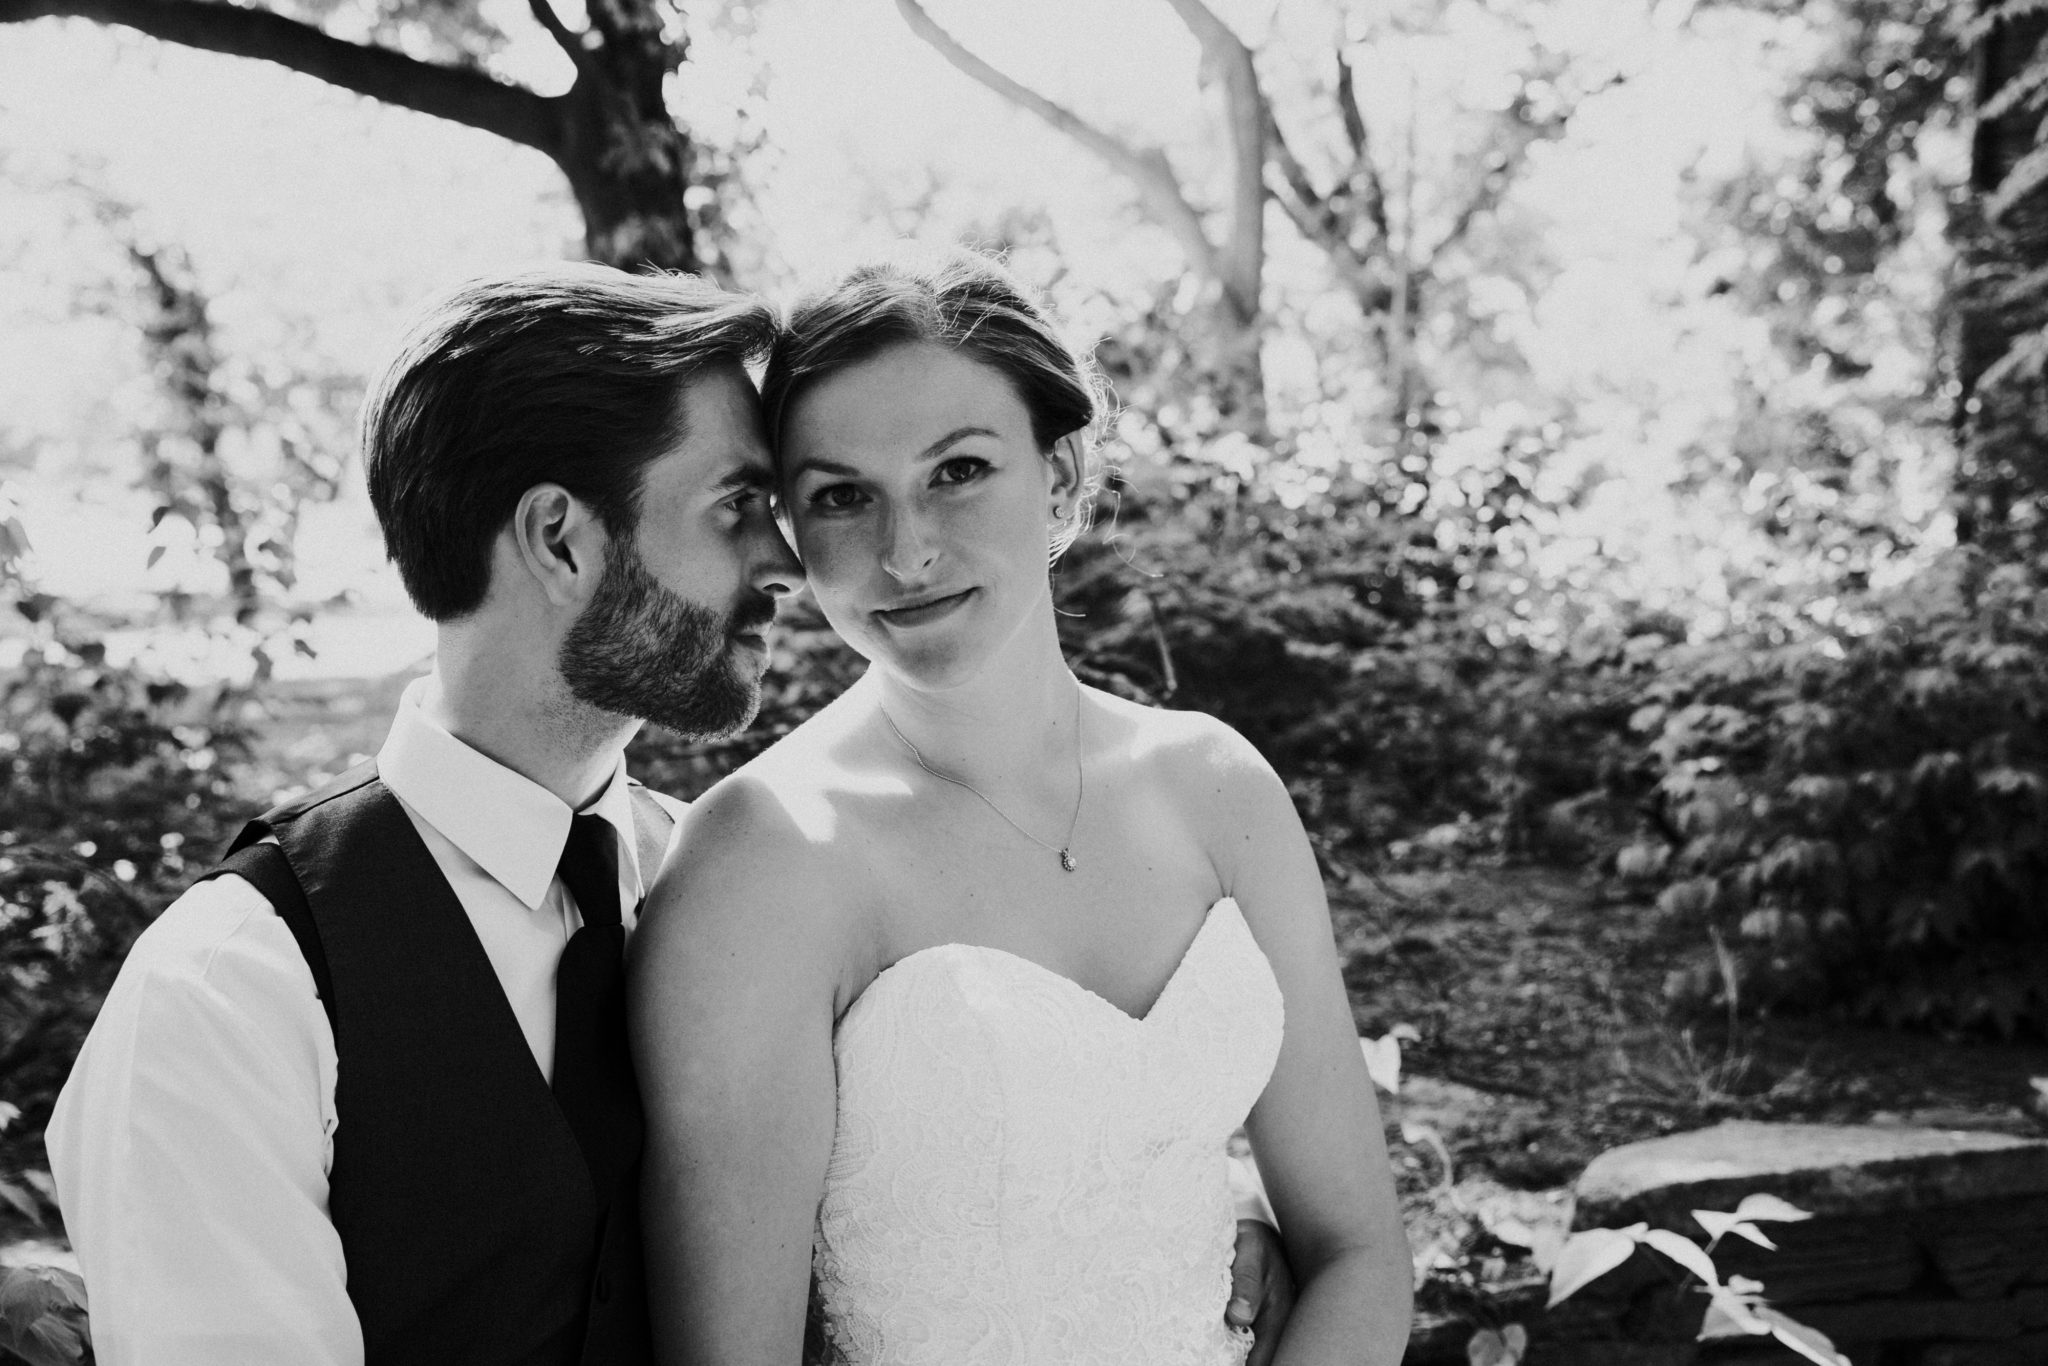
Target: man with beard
(364, 1095)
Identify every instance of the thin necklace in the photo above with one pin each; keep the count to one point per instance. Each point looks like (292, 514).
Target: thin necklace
(1066, 849)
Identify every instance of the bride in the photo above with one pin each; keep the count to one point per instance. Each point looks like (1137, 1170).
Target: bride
(953, 997)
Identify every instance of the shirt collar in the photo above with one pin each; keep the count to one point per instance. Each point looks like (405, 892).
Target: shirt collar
(510, 825)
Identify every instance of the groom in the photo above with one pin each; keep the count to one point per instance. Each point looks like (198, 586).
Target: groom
(363, 1096)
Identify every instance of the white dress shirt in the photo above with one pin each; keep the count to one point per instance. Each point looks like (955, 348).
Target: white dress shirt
(192, 1142)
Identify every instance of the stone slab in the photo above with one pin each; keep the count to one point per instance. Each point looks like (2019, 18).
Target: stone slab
(1828, 1260)
(1615, 1354)
(2031, 1350)
(1913, 1320)
(1982, 1251)
(1824, 1168)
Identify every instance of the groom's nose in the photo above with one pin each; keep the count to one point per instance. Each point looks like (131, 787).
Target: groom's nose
(775, 569)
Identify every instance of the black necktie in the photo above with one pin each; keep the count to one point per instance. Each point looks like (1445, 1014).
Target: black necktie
(593, 1070)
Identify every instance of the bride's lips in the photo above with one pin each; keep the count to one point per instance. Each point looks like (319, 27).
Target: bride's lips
(924, 611)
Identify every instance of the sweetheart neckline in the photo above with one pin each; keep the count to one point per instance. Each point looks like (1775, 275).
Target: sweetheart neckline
(1151, 1011)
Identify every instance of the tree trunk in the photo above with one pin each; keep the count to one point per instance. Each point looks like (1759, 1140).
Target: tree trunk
(1224, 346)
(629, 174)
(627, 162)
(2000, 427)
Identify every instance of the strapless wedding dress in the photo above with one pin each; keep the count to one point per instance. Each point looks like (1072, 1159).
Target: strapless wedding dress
(1024, 1175)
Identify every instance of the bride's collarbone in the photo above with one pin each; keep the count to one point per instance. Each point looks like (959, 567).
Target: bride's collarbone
(1117, 931)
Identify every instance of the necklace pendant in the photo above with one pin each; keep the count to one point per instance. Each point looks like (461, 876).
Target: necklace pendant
(1067, 861)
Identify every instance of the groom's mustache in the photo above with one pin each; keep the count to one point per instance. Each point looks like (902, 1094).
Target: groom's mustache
(753, 617)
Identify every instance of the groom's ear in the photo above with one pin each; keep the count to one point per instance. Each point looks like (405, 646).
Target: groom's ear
(559, 542)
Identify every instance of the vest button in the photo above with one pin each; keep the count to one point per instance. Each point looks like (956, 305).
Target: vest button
(604, 1288)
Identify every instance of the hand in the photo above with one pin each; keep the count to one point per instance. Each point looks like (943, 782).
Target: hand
(1261, 1288)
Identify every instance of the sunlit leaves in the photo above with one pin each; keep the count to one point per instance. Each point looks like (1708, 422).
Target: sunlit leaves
(1505, 1347)
(41, 1315)
(1735, 1308)
(1383, 1056)
(1743, 1221)
(1588, 1255)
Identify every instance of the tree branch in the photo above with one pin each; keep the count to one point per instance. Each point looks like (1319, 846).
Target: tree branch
(1314, 214)
(1347, 107)
(1293, 174)
(1147, 169)
(544, 11)
(1363, 173)
(1244, 251)
(466, 97)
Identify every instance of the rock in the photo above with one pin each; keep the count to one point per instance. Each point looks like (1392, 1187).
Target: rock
(1827, 1260)
(2030, 1350)
(1913, 1320)
(1612, 1354)
(1824, 1168)
(1983, 1250)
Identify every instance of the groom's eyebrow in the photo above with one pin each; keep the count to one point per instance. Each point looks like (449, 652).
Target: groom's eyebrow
(745, 477)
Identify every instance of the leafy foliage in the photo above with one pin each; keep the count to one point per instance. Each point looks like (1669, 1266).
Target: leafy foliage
(42, 1315)
(1342, 643)
(1735, 1308)
(118, 781)
(1863, 821)
(114, 787)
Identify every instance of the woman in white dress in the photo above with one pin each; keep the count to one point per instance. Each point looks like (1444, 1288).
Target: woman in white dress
(953, 997)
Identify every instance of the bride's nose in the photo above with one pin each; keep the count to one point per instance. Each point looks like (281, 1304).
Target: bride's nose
(907, 552)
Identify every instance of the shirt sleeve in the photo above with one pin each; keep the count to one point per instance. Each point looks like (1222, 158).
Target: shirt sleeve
(1248, 1192)
(191, 1145)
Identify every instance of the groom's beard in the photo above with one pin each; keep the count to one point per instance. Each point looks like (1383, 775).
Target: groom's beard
(642, 650)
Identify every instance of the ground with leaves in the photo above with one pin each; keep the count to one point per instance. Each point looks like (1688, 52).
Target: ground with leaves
(1543, 1036)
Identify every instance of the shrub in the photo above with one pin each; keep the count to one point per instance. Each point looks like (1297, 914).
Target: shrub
(114, 788)
(1342, 644)
(1864, 823)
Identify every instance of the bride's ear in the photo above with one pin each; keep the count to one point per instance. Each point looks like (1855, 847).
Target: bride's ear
(1069, 460)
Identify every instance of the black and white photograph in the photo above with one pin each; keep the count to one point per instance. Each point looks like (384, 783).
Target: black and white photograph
(1023, 682)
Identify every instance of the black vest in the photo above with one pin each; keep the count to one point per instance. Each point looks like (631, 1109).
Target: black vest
(468, 1218)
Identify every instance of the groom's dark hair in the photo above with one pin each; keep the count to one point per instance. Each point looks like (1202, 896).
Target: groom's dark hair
(569, 374)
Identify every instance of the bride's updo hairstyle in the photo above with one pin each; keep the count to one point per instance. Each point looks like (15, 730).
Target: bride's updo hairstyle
(963, 302)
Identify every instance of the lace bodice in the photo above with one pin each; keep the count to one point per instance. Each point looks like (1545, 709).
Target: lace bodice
(1025, 1175)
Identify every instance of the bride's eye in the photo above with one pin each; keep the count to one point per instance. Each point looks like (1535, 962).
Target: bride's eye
(835, 498)
(961, 469)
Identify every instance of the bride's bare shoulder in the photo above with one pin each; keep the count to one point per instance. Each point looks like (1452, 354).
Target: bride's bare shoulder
(766, 843)
(1184, 747)
(1215, 779)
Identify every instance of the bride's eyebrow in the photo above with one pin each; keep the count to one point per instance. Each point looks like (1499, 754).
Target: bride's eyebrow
(819, 465)
(957, 434)
(814, 465)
